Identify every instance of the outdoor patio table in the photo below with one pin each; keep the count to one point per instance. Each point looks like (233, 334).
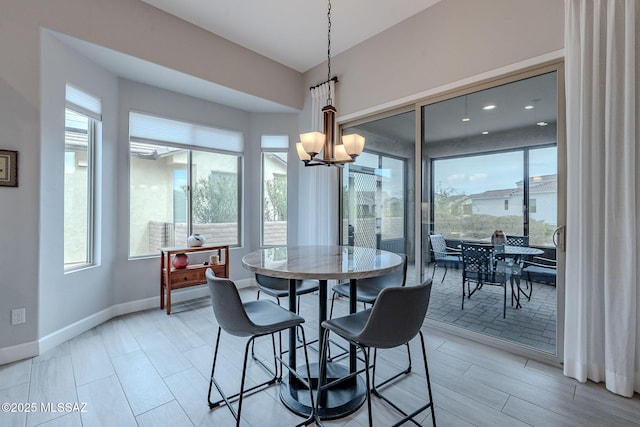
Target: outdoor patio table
(517, 252)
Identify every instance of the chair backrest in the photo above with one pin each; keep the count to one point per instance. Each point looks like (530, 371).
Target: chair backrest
(517, 240)
(476, 261)
(396, 316)
(275, 283)
(227, 306)
(439, 246)
(395, 278)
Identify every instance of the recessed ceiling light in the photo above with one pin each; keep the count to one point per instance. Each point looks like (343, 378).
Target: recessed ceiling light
(489, 107)
(485, 133)
(542, 123)
(466, 119)
(529, 107)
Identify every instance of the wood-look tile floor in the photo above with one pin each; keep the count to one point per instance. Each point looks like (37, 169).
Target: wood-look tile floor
(150, 369)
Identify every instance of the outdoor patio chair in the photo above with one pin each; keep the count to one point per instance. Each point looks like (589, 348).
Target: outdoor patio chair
(443, 255)
(521, 241)
(481, 267)
(517, 240)
(540, 268)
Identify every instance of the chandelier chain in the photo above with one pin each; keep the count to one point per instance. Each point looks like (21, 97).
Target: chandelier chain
(329, 100)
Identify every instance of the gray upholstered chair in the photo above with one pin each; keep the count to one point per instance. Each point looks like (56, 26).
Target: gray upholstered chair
(368, 289)
(250, 319)
(279, 288)
(395, 319)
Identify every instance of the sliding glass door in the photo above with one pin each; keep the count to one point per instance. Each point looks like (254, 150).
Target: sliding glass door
(490, 162)
(377, 190)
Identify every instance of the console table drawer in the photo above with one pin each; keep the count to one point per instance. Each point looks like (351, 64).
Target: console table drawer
(187, 276)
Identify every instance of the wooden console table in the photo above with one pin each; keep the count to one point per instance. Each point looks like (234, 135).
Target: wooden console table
(193, 274)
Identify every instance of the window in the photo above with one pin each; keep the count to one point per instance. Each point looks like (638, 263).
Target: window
(374, 197)
(469, 185)
(274, 189)
(184, 178)
(82, 130)
(471, 195)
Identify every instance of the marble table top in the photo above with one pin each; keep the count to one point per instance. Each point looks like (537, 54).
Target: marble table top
(322, 262)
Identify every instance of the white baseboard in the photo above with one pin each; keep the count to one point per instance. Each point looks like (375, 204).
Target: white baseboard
(46, 343)
(18, 352)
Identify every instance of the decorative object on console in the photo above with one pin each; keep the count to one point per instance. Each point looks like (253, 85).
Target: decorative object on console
(180, 261)
(196, 240)
(311, 143)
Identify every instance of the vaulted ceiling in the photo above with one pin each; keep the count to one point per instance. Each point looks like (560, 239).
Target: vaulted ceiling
(293, 32)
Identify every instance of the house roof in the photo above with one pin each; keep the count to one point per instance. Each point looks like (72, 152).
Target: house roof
(537, 185)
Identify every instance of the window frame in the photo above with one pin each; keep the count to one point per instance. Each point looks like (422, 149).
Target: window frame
(525, 150)
(189, 188)
(265, 150)
(93, 125)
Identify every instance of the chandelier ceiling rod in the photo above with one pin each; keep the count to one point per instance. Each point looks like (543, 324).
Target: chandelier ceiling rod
(332, 79)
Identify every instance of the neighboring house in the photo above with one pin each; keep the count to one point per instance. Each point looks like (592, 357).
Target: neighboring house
(502, 202)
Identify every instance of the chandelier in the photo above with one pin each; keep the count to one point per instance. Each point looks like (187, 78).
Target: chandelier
(312, 143)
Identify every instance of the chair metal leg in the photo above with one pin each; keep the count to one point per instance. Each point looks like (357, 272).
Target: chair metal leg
(228, 400)
(333, 297)
(368, 380)
(374, 386)
(504, 304)
(244, 377)
(312, 415)
(426, 370)
(213, 367)
(433, 273)
(320, 397)
(375, 389)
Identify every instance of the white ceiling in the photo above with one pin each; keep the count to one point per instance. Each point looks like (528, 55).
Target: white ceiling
(294, 32)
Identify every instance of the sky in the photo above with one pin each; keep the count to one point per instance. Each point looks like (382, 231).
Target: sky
(476, 174)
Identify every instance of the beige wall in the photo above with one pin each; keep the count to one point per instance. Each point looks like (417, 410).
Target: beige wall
(448, 42)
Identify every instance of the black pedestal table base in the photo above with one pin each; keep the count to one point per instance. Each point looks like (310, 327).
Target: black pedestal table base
(341, 400)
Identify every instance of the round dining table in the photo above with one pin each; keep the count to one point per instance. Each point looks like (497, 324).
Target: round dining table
(323, 263)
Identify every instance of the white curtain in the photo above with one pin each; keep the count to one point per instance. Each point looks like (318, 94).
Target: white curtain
(602, 314)
(319, 190)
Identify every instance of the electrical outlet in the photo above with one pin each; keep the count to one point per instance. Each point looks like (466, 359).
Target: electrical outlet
(18, 316)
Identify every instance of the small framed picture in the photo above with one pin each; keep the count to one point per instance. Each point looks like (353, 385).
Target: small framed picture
(8, 168)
